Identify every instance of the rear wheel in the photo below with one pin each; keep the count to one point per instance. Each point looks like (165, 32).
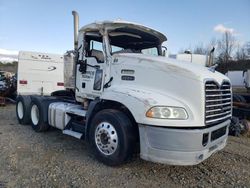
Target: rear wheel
(37, 116)
(20, 110)
(23, 109)
(34, 115)
(112, 137)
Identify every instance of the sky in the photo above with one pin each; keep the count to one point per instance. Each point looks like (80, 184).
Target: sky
(47, 25)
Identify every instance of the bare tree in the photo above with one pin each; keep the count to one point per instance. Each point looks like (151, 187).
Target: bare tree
(184, 50)
(240, 53)
(247, 49)
(226, 47)
(213, 43)
(181, 51)
(200, 49)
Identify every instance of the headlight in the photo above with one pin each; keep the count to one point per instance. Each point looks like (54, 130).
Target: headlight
(167, 112)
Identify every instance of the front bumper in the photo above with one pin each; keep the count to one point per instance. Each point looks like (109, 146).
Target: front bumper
(181, 146)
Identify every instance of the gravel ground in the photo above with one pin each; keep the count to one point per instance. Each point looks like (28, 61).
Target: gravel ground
(51, 159)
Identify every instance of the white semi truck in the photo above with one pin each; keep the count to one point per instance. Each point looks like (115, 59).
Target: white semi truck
(178, 112)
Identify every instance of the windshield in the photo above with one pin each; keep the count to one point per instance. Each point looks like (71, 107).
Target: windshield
(133, 40)
(151, 51)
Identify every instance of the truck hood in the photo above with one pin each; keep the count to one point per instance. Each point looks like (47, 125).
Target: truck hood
(142, 81)
(160, 81)
(174, 67)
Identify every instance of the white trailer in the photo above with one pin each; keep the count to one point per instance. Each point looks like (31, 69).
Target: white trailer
(178, 112)
(236, 78)
(39, 73)
(239, 79)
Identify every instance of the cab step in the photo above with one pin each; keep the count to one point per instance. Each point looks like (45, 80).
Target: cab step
(77, 110)
(73, 133)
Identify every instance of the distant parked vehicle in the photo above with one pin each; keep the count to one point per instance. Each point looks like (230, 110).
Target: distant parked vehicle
(246, 75)
(7, 84)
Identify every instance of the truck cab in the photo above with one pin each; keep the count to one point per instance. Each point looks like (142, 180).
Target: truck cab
(100, 45)
(128, 92)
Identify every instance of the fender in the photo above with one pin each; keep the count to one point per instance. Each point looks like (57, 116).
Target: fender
(139, 100)
(89, 115)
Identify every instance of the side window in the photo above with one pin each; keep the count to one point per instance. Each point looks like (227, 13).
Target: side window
(95, 45)
(150, 51)
(116, 49)
(96, 51)
(98, 79)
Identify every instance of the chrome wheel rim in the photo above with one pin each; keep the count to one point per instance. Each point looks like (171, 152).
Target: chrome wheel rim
(106, 138)
(34, 114)
(20, 109)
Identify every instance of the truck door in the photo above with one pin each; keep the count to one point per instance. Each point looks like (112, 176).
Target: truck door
(90, 83)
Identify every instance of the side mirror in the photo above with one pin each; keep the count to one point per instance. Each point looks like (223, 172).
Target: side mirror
(83, 66)
(164, 50)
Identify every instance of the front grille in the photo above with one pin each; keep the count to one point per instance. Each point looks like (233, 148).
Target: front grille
(218, 102)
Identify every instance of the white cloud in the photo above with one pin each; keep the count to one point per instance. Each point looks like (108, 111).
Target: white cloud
(220, 28)
(8, 52)
(8, 55)
(7, 59)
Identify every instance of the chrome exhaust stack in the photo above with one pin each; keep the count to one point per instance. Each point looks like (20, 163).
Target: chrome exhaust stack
(76, 29)
(71, 57)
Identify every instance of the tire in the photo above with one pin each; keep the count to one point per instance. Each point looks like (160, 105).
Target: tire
(23, 109)
(37, 116)
(244, 126)
(112, 137)
(234, 128)
(238, 98)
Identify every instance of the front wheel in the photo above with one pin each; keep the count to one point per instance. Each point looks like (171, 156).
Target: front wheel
(112, 137)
